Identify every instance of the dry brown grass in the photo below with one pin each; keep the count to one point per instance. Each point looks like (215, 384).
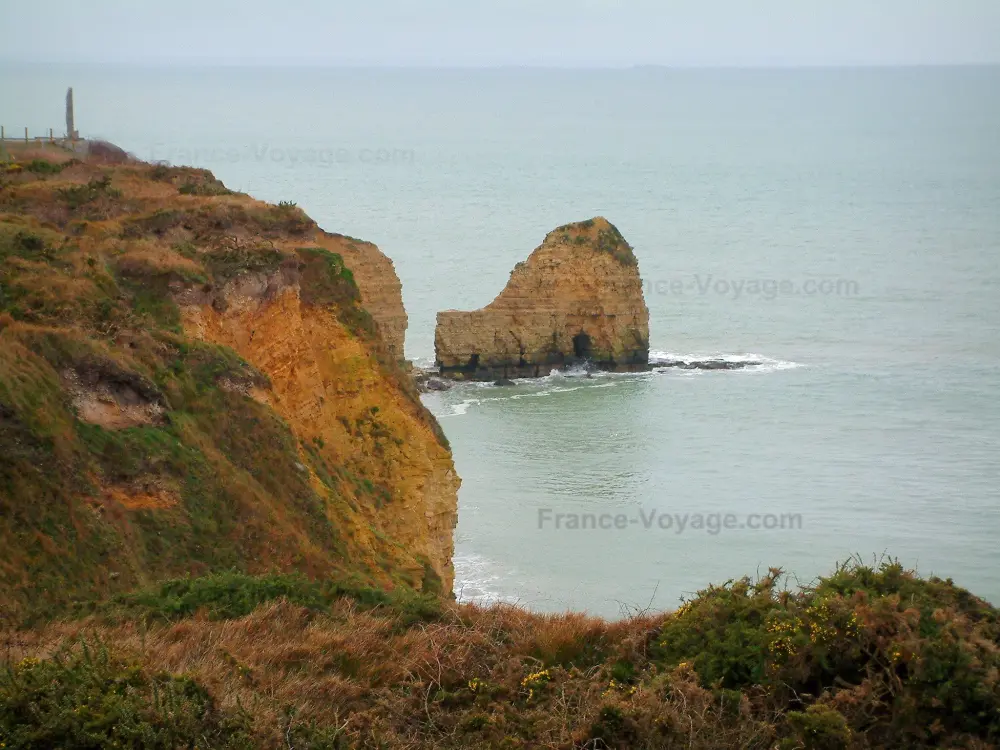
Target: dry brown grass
(454, 683)
(467, 676)
(143, 258)
(25, 152)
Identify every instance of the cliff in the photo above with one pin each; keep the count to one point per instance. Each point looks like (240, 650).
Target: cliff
(335, 398)
(381, 292)
(577, 298)
(192, 380)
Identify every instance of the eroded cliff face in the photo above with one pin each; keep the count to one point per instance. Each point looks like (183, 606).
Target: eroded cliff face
(375, 275)
(329, 386)
(578, 297)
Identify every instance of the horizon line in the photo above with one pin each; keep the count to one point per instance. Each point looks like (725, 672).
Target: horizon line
(280, 64)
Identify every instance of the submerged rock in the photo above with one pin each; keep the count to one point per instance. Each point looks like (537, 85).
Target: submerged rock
(437, 384)
(705, 364)
(577, 298)
(428, 380)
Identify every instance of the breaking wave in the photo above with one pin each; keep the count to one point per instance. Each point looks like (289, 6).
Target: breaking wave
(464, 395)
(661, 361)
(476, 579)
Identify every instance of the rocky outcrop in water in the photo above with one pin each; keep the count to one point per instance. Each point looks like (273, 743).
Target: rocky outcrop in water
(577, 298)
(705, 364)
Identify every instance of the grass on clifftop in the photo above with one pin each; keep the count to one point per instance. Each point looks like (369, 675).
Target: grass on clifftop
(868, 657)
(600, 234)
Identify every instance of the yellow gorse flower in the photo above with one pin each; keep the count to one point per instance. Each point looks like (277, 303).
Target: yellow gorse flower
(783, 632)
(540, 677)
(683, 609)
(535, 681)
(614, 686)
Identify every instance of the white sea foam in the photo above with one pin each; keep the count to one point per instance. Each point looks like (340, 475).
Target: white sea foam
(456, 410)
(760, 362)
(423, 363)
(476, 580)
(580, 377)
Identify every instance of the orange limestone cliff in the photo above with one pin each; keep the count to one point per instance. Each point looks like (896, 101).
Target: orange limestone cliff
(357, 415)
(375, 275)
(577, 298)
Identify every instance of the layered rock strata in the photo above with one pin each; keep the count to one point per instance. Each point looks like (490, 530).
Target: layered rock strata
(576, 299)
(327, 386)
(375, 275)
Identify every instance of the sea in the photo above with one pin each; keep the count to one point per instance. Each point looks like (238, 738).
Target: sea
(838, 227)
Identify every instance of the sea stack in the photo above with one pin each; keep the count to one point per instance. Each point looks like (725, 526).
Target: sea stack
(576, 299)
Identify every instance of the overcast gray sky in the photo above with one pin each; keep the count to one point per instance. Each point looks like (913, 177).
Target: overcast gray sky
(505, 32)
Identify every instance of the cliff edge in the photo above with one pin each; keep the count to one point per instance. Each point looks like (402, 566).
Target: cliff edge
(577, 298)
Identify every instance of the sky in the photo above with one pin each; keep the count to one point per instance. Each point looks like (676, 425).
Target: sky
(485, 33)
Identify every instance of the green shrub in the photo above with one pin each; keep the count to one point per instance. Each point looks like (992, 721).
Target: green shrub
(228, 261)
(159, 222)
(326, 280)
(42, 166)
(232, 594)
(85, 698)
(22, 243)
(612, 242)
(152, 304)
(285, 217)
(819, 727)
(864, 632)
(722, 633)
(614, 729)
(80, 195)
(223, 595)
(208, 187)
(623, 671)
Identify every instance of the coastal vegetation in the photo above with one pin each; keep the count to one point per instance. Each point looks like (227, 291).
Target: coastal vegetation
(869, 656)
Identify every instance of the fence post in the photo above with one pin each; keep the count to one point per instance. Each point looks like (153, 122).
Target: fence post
(1, 133)
(51, 138)
(25, 135)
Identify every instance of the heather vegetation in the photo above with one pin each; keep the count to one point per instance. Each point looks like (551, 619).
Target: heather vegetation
(870, 656)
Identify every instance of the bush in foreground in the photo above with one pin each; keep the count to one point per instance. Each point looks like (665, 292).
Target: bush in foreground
(229, 595)
(84, 698)
(871, 656)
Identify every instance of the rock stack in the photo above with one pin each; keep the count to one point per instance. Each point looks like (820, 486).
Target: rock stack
(577, 299)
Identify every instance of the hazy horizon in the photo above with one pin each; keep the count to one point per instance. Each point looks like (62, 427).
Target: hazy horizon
(321, 65)
(508, 33)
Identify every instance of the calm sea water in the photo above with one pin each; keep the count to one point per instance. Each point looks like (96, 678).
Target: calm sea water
(843, 226)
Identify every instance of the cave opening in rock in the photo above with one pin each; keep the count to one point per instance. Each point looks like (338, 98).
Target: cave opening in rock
(581, 346)
(473, 363)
